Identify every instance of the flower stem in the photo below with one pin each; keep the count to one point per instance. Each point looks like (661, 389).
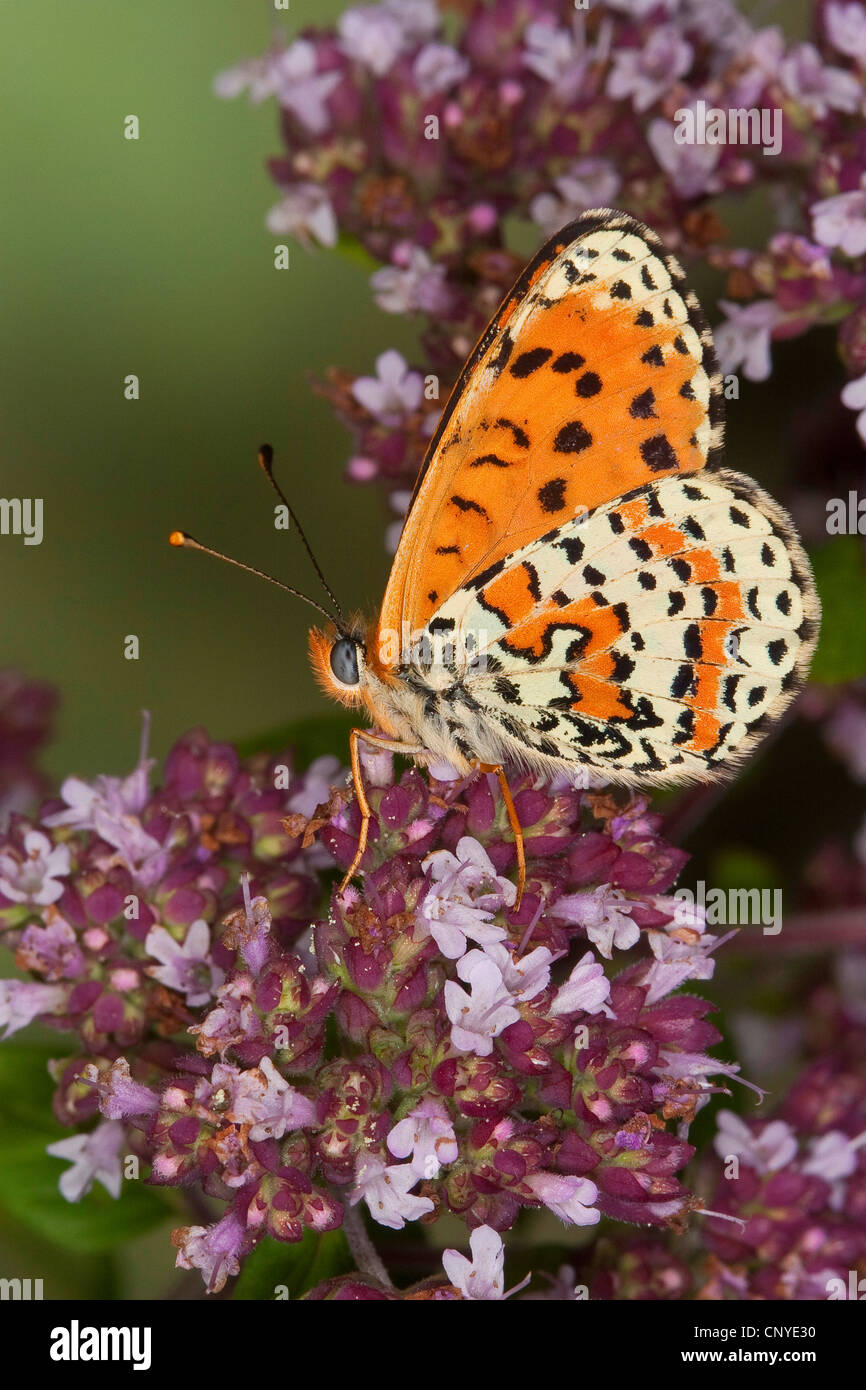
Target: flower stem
(367, 1257)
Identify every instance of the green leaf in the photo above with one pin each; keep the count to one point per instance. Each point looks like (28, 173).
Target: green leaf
(840, 573)
(298, 1268)
(29, 1176)
(352, 249)
(311, 738)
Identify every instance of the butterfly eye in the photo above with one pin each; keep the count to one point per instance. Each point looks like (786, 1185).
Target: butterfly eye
(344, 661)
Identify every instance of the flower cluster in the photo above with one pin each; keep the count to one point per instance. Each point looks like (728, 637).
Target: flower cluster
(112, 899)
(429, 1046)
(796, 1186)
(785, 1213)
(429, 150)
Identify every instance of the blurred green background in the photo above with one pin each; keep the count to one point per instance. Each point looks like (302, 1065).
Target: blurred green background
(151, 257)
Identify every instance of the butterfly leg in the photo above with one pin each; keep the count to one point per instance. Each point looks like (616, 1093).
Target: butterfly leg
(389, 745)
(516, 829)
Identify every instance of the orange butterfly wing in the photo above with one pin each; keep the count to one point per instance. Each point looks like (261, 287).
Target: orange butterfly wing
(596, 376)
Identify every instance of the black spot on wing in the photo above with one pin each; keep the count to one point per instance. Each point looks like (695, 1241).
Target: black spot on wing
(657, 453)
(729, 690)
(552, 495)
(479, 581)
(521, 438)
(529, 362)
(568, 362)
(465, 504)
(492, 460)
(776, 650)
(643, 406)
(572, 438)
(507, 690)
(682, 682)
(573, 547)
(692, 645)
(588, 385)
(691, 528)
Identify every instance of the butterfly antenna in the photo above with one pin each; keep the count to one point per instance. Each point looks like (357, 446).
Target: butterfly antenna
(188, 542)
(266, 462)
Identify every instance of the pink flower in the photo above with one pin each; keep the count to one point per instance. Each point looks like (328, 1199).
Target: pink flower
(119, 1095)
(845, 27)
(568, 1197)
(385, 1189)
(418, 19)
(523, 976)
(215, 1250)
(257, 75)
(52, 950)
(559, 56)
(744, 338)
(691, 168)
(264, 1099)
(820, 89)
(35, 879)
(479, 1017)
(372, 37)
(463, 897)
(186, 966)
(437, 67)
(301, 89)
(95, 1157)
(393, 393)
(766, 1150)
(586, 990)
(428, 1135)
(647, 72)
(841, 221)
(833, 1155)
(604, 913)
(482, 1277)
(111, 807)
(682, 952)
(854, 397)
(415, 285)
(589, 183)
(305, 212)
(21, 1001)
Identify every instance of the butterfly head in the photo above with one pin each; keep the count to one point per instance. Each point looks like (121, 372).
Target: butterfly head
(339, 660)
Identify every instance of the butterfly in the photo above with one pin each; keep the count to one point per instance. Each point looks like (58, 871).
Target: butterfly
(580, 584)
